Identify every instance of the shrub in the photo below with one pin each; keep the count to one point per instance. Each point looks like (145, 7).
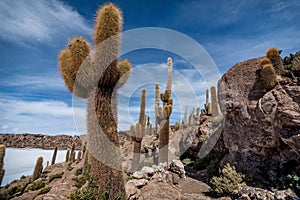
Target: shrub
(292, 181)
(227, 182)
(36, 185)
(78, 172)
(44, 191)
(55, 176)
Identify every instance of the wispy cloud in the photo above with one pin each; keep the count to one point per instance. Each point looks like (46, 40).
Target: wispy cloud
(38, 21)
(48, 117)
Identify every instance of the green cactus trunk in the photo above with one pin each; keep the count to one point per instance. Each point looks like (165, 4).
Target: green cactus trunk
(54, 155)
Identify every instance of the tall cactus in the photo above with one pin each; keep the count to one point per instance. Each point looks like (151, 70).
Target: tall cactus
(207, 105)
(164, 117)
(142, 108)
(136, 137)
(54, 155)
(68, 155)
(274, 55)
(214, 103)
(2, 154)
(157, 96)
(72, 153)
(38, 168)
(98, 79)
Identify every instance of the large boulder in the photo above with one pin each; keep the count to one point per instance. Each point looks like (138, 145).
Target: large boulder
(262, 128)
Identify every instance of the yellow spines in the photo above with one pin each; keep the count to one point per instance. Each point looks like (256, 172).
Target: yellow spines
(109, 22)
(268, 75)
(274, 55)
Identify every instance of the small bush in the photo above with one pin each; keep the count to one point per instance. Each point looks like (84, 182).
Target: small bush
(187, 161)
(85, 194)
(79, 181)
(78, 172)
(292, 181)
(44, 191)
(70, 168)
(227, 182)
(55, 176)
(36, 185)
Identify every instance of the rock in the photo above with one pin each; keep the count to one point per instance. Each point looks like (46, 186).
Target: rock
(131, 190)
(177, 167)
(244, 197)
(138, 182)
(140, 175)
(160, 191)
(27, 140)
(148, 170)
(261, 132)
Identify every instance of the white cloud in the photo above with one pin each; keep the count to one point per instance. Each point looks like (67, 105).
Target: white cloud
(38, 20)
(48, 117)
(4, 127)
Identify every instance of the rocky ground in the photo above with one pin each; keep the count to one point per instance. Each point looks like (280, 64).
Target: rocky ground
(27, 140)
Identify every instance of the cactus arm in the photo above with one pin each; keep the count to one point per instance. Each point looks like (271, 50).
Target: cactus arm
(124, 67)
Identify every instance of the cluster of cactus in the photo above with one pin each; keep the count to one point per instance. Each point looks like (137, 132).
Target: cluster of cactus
(274, 55)
(97, 78)
(138, 131)
(164, 113)
(211, 109)
(38, 169)
(2, 154)
(267, 73)
(292, 65)
(54, 155)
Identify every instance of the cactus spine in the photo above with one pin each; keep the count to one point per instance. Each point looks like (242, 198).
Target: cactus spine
(2, 154)
(38, 168)
(214, 103)
(98, 79)
(164, 117)
(68, 155)
(54, 155)
(274, 55)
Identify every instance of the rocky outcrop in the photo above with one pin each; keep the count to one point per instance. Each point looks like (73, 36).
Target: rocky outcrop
(39, 141)
(262, 128)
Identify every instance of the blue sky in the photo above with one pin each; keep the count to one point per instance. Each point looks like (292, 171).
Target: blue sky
(34, 98)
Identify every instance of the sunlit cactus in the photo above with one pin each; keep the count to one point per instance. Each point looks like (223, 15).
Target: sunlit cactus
(98, 78)
(54, 155)
(83, 149)
(268, 76)
(207, 105)
(274, 55)
(142, 108)
(164, 113)
(38, 169)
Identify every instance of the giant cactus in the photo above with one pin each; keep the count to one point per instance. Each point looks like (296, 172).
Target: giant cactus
(2, 154)
(274, 55)
(164, 113)
(97, 77)
(38, 168)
